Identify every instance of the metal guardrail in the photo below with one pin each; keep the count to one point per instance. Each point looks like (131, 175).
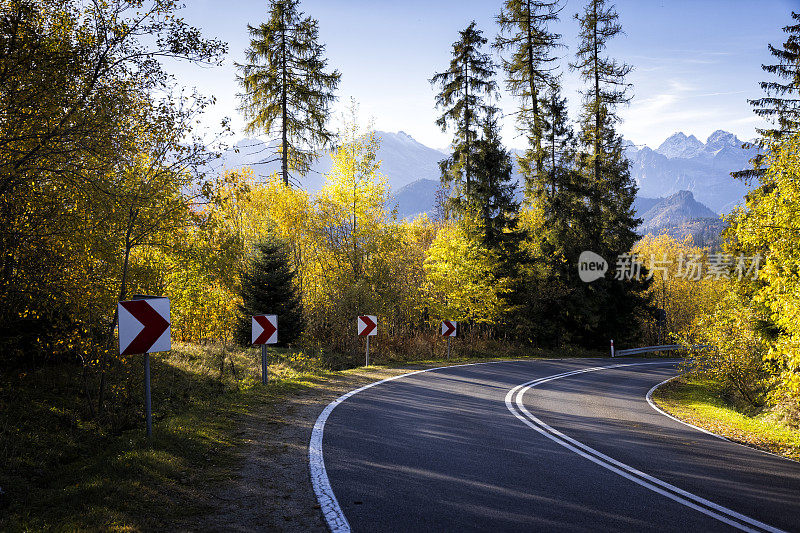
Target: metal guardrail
(652, 349)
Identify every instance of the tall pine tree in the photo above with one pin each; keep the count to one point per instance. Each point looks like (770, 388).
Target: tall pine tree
(268, 288)
(465, 88)
(286, 88)
(610, 304)
(524, 33)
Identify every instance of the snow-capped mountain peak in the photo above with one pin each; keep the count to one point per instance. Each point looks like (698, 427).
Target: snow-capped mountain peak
(679, 145)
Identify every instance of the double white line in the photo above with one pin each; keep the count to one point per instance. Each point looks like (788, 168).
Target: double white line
(515, 404)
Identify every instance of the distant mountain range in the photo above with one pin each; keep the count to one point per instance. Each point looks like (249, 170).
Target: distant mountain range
(403, 160)
(684, 163)
(684, 179)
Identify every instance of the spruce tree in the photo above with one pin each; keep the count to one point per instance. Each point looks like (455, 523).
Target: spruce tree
(781, 105)
(287, 90)
(268, 288)
(529, 70)
(558, 143)
(609, 305)
(493, 189)
(465, 88)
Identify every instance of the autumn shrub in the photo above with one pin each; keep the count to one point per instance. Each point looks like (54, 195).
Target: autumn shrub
(733, 350)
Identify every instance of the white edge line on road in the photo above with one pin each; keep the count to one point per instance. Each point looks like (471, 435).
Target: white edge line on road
(698, 428)
(688, 499)
(649, 398)
(328, 503)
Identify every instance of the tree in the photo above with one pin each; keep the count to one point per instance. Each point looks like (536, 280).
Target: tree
(781, 105)
(268, 288)
(286, 87)
(461, 278)
(87, 151)
(609, 189)
(558, 145)
(606, 78)
(465, 87)
(768, 228)
(529, 70)
(493, 190)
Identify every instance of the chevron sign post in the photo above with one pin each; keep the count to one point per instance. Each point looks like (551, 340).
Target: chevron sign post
(144, 328)
(367, 327)
(264, 331)
(449, 328)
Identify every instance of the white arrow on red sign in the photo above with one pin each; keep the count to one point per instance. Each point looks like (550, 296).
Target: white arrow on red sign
(144, 326)
(367, 325)
(265, 329)
(449, 328)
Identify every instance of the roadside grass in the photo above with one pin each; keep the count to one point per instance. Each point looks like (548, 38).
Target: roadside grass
(702, 402)
(63, 469)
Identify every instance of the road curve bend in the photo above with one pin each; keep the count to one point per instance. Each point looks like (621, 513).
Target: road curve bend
(564, 445)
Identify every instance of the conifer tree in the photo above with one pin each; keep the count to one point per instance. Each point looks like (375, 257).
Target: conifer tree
(465, 88)
(601, 159)
(493, 189)
(609, 188)
(781, 105)
(524, 33)
(287, 90)
(268, 288)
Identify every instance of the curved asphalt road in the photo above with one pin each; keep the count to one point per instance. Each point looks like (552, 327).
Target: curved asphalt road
(441, 451)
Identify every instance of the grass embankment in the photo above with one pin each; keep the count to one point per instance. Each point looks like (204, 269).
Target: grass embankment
(703, 402)
(65, 468)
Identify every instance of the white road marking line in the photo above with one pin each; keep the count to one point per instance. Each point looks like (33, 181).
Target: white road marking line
(698, 428)
(649, 398)
(331, 509)
(723, 514)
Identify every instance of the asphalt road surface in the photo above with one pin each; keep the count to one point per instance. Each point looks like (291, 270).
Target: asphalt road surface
(555, 445)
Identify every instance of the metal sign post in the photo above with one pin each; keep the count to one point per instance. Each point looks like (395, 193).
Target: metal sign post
(449, 329)
(264, 367)
(264, 331)
(147, 405)
(367, 326)
(144, 327)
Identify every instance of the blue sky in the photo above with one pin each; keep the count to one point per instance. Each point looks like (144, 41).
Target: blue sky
(696, 61)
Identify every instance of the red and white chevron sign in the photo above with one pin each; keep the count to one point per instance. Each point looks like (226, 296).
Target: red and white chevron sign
(367, 325)
(144, 326)
(265, 329)
(449, 328)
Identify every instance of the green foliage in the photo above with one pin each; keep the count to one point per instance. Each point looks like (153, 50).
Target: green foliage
(286, 88)
(493, 192)
(268, 287)
(529, 71)
(780, 105)
(465, 87)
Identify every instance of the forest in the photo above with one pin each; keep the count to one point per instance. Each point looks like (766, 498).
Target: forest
(107, 190)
